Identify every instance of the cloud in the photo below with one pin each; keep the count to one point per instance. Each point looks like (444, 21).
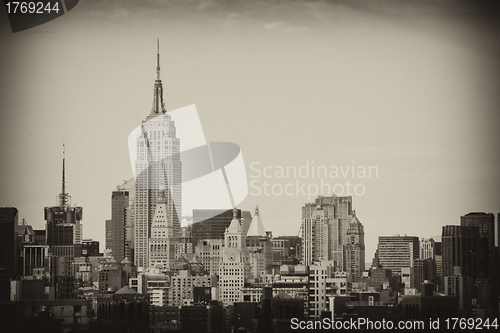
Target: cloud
(293, 30)
(285, 27)
(207, 4)
(274, 25)
(120, 13)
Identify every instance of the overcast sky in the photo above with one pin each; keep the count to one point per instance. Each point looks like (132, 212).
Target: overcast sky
(409, 87)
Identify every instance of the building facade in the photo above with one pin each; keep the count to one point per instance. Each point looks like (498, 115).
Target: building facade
(209, 253)
(8, 249)
(162, 243)
(157, 169)
(183, 284)
(259, 247)
(234, 269)
(459, 247)
(398, 251)
(427, 248)
(63, 222)
(355, 249)
(116, 227)
(325, 223)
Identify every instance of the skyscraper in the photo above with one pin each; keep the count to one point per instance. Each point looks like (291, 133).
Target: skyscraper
(439, 266)
(486, 224)
(162, 241)
(259, 246)
(8, 249)
(209, 252)
(423, 269)
(234, 269)
(471, 247)
(157, 168)
(398, 251)
(426, 248)
(325, 223)
(63, 222)
(316, 225)
(460, 247)
(64, 238)
(118, 227)
(355, 249)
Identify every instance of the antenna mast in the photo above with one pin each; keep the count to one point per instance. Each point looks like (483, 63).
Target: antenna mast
(63, 197)
(158, 61)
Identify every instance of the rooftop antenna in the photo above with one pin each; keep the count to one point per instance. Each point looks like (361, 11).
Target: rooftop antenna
(158, 61)
(158, 103)
(63, 197)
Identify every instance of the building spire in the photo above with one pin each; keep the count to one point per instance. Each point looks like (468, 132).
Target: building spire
(158, 61)
(63, 197)
(256, 227)
(158, 104)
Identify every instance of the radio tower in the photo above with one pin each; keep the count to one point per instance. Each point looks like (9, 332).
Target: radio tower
(63, 197)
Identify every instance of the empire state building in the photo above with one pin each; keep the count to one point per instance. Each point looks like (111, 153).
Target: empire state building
(158, 174)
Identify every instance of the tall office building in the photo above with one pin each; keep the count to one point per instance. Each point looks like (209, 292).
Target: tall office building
(90, 247)
(470, 246)
(118, 228)
(427, 248)
(40, 237)
(162, 242)
(438, 257)
(355, 249)
(316, 225)
(234, 269)
(460, 247)
(486, 224)
(319, 274)
(157, 168)
(63, 222)
(8, 249)
(35, 260)
(422, 270)
(64, 238)
(184, 246)
(25, 234)
(287, 250)
(129, 186)
(324, 230)
(461, 287)
(397, 252)
(260, 248)
(246, 220)
(183, 284)
(209, 253)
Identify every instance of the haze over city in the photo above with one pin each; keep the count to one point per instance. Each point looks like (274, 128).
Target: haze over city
(408, 88)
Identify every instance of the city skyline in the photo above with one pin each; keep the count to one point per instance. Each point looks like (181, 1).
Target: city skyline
(92, 86)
